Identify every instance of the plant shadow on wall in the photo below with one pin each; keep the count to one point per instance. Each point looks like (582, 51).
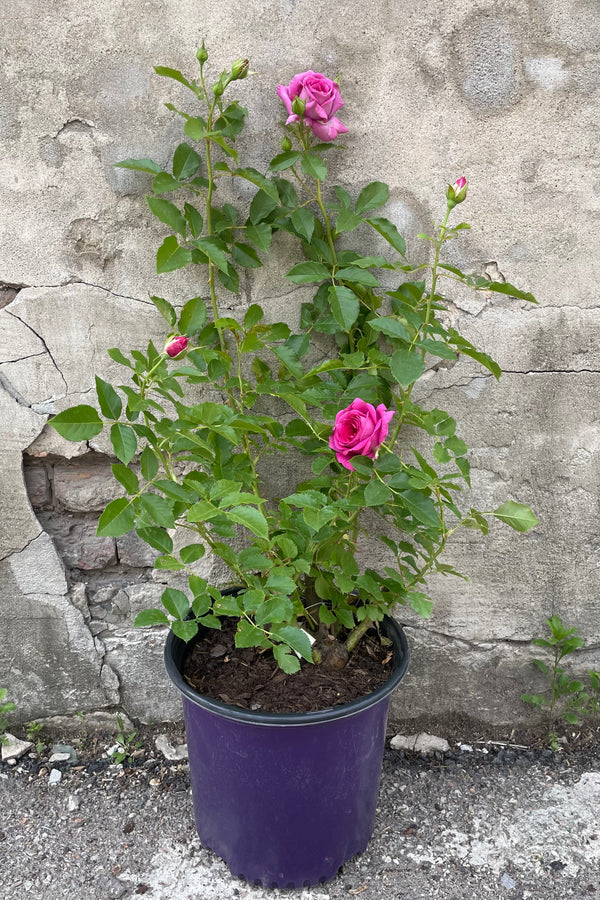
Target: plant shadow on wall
(197, 422)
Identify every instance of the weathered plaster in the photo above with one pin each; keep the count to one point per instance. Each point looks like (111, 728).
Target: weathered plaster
(505, 93)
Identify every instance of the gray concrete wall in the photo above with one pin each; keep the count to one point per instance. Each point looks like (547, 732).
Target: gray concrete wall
(503, 92)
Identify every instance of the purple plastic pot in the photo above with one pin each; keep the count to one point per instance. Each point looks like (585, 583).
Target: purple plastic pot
(286, 799)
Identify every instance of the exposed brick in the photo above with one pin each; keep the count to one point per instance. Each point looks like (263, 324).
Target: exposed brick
(82, 488)
(133, 551)
(38, 486)
(76, 541)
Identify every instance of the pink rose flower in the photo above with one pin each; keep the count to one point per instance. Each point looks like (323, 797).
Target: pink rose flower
(359, 430)
(176, 345)
(322, 100)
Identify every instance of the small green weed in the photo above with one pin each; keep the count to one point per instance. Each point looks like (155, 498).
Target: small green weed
(567, 699)
(6, 706)
(33, 734)
(126, 744)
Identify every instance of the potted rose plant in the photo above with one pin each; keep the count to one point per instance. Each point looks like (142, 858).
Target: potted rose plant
(195, 431)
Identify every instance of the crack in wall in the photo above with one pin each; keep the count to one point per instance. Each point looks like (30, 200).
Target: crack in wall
(44, 345)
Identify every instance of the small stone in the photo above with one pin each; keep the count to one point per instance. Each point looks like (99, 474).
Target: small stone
(507, 882)
(420, 743)
(55, 776)
(110, 886)
(74, 802)
(155, 782)
(14, 748)
(11, 762)
(63, 753)
(170, 752)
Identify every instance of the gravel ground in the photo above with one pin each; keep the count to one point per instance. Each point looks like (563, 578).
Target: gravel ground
(487, 822)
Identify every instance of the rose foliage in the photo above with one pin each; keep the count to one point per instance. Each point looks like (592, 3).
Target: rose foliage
(200, 426)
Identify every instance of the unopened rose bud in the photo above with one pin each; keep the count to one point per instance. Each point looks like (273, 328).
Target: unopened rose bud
(286, 144)
(239, 69)
(176, 345)
(202, 54)
(457, 192)
(218, 88)
(298, 106)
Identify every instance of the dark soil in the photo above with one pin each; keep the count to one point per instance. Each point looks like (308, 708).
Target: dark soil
(250, 678)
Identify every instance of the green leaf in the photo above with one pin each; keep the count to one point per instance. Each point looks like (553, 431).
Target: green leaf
(286, 660)
(126, 477)
(281, 583)
(251, 518)
(389, 231)
(213, 248)
(193, 317)
(175, 74)
(308, 272)
(278, 609)
(406, 367)
(175, 602)
(304, 223)
(191, 553)
(109, 400)
(297, 639)
(372, 196)
(149, 464)
(159, 509)
(261, 207)
(116, 355)
(420, 603)
(347, 221)
(80, 423)
(140, 165)
(284, 160)
(437, 348)
(168, 213)
(345, 306)
(248, 635)
(517, 515)
(358, 275)
(390, 327)
(377, 493)
(171, 256)
(148, 617)
(163, 183)
(314, 165)
(156, 538)
(124, 442)
(254, 176)
(260, 235)
(186, 161)
(499, 287)
(246, 256)
(194, 219)
(186, 631)
(117, 519)
(166, 310)
(254, 314)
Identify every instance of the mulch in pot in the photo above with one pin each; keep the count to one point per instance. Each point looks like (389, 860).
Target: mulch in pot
(251, 679)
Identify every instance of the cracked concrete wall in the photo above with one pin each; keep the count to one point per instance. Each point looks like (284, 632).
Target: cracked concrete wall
(504, 92)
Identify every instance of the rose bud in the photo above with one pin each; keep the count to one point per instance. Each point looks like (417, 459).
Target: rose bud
(298, 106)
(176, 346)
(359, 430)
(286, 144)
(202, 54)
(457, 192)
(239, 69)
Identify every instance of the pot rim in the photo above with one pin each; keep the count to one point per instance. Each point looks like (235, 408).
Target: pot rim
(175, 650)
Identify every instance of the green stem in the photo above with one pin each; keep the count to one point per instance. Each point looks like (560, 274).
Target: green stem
(436, 260)
(209, 229)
